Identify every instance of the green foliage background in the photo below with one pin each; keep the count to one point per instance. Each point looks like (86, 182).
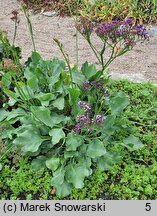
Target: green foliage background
(103, 10)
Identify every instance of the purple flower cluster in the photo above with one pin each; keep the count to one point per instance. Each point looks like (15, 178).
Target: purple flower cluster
(87, 123)
(86, 86)
(108, 30)
(85, 106)
(114, 30)
(77, 128)
(84, 121)
(141, 31)
(99, 119)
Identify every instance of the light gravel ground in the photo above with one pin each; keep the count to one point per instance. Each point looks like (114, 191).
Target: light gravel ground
(138, 65)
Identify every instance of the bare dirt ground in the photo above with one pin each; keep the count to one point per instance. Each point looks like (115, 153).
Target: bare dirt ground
(138, 65)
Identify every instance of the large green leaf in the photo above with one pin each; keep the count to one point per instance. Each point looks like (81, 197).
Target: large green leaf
(59, 103)
(35, 57)
(3, 114)
(132, 143)
(38, 163)
(7, 130)
(107, 161)
(6, 79)
(70, 154)
(33, 83)
(11, 94)
(73, 142)
(57, 67)
(56, 119)
(52, 163)
(42, 114)
(76, 173)
(28, 137)
(15, 113)
(64, 189)
(96, 149)
(45, 98)
(57, 134)
(118, 102)
(88, 70)
(78, 77)
(58, 177)
(74, 98)
(108, 127)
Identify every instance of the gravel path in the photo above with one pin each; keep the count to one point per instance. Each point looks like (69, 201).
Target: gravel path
(138, 65)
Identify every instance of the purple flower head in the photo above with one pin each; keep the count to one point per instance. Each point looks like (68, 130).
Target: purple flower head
(80, 103)
(99, 86)
(99, 119)
(107, 30)
(77, 128)
(105, 92)
(87, 107)
(85, 86)
(141, 31)
(129, 21)
(83, 119)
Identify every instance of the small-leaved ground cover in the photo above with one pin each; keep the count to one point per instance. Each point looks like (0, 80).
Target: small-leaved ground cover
(134, 177)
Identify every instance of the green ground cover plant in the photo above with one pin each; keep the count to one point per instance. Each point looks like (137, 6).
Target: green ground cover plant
(142, 11)
(64, 119)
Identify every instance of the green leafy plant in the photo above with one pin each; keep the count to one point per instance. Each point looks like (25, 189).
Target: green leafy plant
(141, 11)
(66, 120)
(51, 120)
(125, 181)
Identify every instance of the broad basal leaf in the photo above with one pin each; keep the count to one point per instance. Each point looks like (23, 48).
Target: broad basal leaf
(52, 163)
(107, 161)
(38, 163)
(56, 119)
(7, 130)
(11, 94)
(118, 102)
(42, 114)
(15, 114)
(45, 98)
(70, 154)
(64, 189)
(95, 149)
(74, 97)
(33, 83)
(76, 173)
(57, 134)
(3, 114)
(28, 137)
(59, 103)
(58, 177)
(35, 57)
(73, 142)
(132, 143)
(78, 78)
(88, 70)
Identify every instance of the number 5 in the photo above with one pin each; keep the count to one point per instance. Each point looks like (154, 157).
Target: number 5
(148, 207)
